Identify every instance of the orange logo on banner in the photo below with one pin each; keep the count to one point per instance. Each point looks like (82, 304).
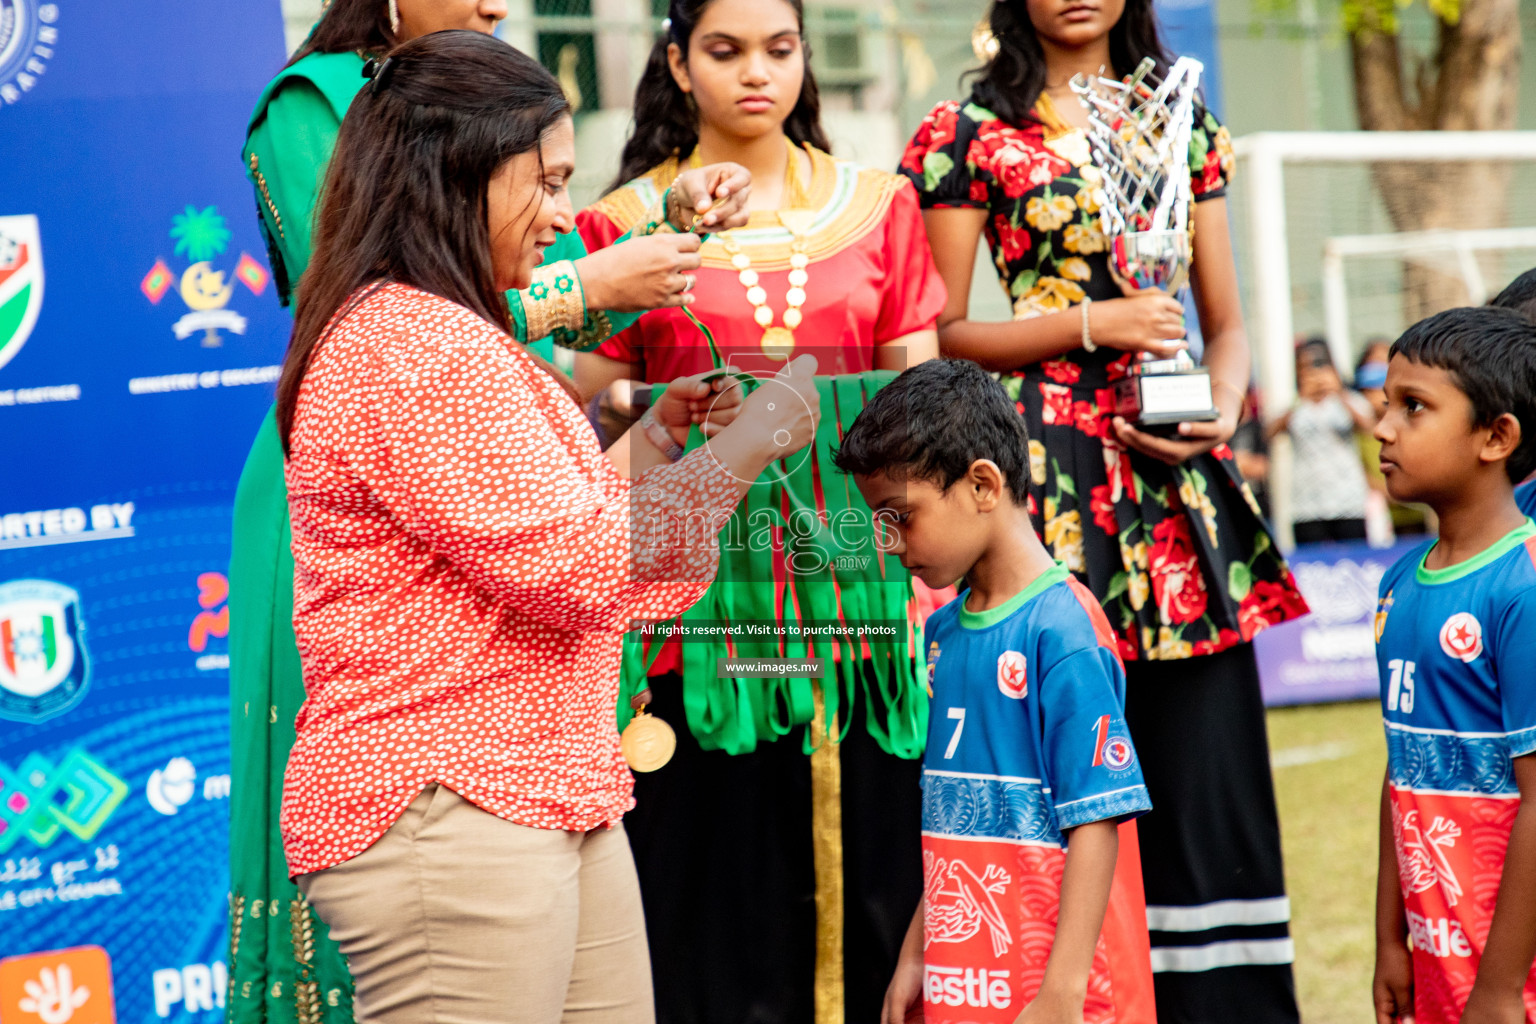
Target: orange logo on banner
(66, 986)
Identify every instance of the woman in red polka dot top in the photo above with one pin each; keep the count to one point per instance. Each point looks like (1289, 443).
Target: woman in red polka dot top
(467, 559)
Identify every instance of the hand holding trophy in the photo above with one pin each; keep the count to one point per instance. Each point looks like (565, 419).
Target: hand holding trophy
(1139, 134)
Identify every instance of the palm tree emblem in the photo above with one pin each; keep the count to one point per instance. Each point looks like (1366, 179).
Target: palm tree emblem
(201, 236)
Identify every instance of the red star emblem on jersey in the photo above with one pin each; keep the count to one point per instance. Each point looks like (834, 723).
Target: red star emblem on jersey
(1462, 637)
(1012, 675)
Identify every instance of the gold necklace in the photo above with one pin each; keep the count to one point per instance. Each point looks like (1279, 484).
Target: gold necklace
(777, 342)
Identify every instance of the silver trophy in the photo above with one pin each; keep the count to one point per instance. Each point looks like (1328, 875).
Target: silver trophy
(1139, 132)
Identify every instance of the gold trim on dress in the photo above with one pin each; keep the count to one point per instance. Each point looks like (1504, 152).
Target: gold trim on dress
(827, 860)
(306, 993)
(850, 201)
(261, 183)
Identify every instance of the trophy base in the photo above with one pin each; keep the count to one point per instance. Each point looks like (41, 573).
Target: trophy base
(1163, 394)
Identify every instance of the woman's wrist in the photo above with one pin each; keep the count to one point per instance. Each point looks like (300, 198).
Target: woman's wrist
(660, 437)
(554, 299)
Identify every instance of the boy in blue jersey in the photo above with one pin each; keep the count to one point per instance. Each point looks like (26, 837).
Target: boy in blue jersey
(1456, 648)
(1032, 908)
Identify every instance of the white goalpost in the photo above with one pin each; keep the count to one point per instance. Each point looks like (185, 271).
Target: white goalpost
(1306, 214)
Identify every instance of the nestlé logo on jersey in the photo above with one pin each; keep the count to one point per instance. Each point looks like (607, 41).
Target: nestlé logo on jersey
(21, 275)
(1462, 637)
(28, 32)
(44, 670)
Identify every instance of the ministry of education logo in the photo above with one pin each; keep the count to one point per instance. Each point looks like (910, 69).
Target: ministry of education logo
(21, 277)
(201, 236)
(28, 33)
(44, 669)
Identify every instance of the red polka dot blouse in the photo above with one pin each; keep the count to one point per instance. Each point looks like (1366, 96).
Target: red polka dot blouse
(466, 562)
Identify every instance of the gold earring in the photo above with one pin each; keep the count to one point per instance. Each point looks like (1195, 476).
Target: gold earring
(394, 16)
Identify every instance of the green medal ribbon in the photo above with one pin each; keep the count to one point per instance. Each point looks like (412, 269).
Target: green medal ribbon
(835, 574)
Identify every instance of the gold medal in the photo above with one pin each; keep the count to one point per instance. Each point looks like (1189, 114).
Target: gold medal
(647, 742)
(777, 342)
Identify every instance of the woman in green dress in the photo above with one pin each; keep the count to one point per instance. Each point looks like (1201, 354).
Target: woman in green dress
(283, 966)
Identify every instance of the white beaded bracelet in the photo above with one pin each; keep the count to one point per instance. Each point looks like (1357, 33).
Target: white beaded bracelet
(1088, 345)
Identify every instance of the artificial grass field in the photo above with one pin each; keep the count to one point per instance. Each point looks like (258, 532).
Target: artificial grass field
(1328, 763)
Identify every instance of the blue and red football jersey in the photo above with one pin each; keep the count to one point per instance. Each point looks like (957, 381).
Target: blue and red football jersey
(1456, 649)
(1525, 497)
(1026, 740)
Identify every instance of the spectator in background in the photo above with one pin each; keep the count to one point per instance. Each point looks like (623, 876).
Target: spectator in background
(1384, 517)
(1371, 372)
(1251, 449)
(1328, 490)
(1520, 294)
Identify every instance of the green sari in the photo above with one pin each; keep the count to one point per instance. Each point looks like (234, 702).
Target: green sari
(283, 966)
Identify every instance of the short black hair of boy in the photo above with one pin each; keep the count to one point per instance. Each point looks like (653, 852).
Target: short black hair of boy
(933, 421)
(1491, 355)
(1519, 295)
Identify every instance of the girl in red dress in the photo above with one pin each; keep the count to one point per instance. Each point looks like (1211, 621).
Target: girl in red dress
(833, 260)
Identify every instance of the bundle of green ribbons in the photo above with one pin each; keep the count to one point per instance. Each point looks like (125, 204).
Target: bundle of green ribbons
(830, 576)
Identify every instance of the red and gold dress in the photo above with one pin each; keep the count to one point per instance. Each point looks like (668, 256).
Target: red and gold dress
(727, 825)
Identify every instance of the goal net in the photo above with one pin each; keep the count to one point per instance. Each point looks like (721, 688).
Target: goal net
(1356, 235)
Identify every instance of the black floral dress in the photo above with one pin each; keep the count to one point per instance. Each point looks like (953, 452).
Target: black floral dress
(1178, 555)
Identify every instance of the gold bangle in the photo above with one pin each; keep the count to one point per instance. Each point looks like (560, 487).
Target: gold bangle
(553, 300)
(1242, 399)
(655, 221)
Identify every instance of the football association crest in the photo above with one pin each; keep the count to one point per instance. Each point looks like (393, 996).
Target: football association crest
(1462, 637)
(28, 33)
(200, 236)
(43, 666)
(1013, 675)
(21, 280)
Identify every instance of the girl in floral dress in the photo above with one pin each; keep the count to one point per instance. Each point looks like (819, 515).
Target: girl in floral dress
(1162, 529)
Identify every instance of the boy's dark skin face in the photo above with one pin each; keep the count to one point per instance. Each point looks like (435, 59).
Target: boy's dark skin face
(974, 529)
(1431, 452)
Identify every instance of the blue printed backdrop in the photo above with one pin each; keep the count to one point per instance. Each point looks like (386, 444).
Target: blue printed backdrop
(128, 397)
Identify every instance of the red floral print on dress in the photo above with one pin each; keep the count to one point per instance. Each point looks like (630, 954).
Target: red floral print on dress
(1269, 604)
(1177, 585)
(1109, 509)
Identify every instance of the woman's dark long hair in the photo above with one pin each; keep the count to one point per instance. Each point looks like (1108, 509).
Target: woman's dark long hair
(1011, 82)
(666, 123)
(405, 194)
(349, 25)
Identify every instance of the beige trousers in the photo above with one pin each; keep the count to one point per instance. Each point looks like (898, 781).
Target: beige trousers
(458, 917)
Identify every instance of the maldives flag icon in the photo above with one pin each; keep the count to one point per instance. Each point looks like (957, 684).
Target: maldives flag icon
(43, 664)
(21, 282)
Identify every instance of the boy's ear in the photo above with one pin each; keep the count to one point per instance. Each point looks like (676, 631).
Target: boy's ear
(1503, 439)
(986, 483)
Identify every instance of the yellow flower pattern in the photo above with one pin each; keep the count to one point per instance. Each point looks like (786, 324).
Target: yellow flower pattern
(1084, 238)
(1074, 268)
(1048, 214)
